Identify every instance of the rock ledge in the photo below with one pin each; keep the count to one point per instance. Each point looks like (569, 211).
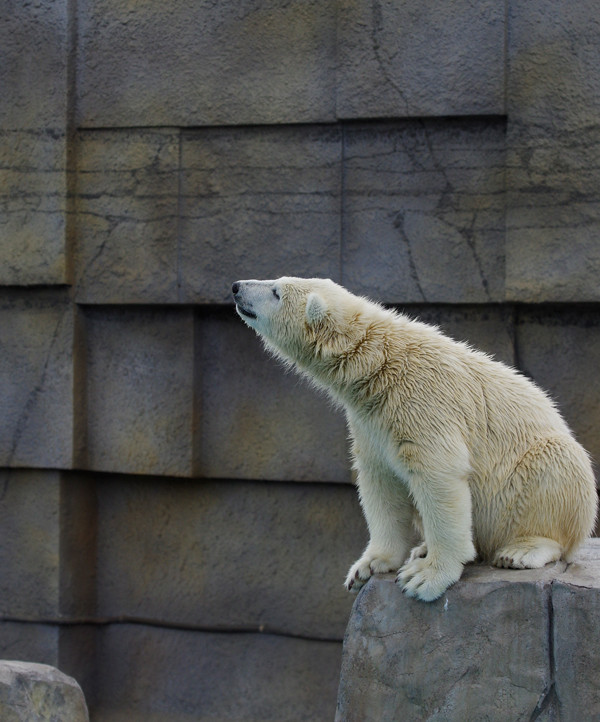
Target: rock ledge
(499, 645)
(39, 693)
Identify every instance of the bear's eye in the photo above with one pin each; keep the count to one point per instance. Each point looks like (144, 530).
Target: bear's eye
(276, 294)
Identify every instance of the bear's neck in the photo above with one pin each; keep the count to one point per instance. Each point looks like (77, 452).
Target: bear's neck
(362, 371)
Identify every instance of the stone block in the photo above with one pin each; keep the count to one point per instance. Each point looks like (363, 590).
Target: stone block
(33, 73)
(397, 59)
(499, 644)
(29, 543)
(229, 555)
(78, 532)
(139, 365)
(232, 62)
(553, 168)
(29, 642)
(560, 349)
(47, 545)
(258, 203)
(576, 605)
(423, 212)
(33, 113)
(171, 675)
(553, 217)
(257, 421)
(36, 378)
(39, 693)
(127, 216)
(552, 83)
(489, 328)
(33, 192)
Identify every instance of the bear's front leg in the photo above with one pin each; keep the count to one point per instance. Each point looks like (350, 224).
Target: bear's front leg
(389, 514)
(443, 499)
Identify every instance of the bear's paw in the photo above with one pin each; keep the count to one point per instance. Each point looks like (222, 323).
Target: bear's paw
(423, 579)
(362, 570)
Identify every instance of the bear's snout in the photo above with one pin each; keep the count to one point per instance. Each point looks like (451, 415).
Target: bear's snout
(235, 287)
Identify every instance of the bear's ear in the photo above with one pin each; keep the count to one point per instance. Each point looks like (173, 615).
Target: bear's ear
(316, 308)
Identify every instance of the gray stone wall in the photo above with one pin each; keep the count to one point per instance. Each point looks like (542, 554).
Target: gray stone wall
(176, 512)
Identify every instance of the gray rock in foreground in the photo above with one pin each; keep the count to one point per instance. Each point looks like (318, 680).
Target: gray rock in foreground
(39, 693)
(499, 645)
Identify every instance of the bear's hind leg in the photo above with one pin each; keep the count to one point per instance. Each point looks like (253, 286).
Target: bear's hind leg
(532, 552)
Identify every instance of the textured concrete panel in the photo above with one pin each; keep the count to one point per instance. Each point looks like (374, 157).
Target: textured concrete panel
(232, 62)
(78, 522)
(560, 349)
(29, 543)
(423, 212)
(553, 156)
(32, 692)
(256, 420)
(490, 329)
(401, 59)
(202, 676)
(33, 189)
(127, 216)
(33, 113)
(29, 642)
(229, 555)
(553, 221)
(139, 390)
(36, 378)
(33, 72)
(258, 203)
(479, 652)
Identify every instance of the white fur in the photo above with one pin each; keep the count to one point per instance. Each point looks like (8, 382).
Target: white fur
(445, 440)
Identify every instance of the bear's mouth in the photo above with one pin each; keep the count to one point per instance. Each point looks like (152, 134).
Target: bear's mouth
(242, 310)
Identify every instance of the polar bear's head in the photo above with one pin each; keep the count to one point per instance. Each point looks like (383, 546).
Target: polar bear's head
(301, 318)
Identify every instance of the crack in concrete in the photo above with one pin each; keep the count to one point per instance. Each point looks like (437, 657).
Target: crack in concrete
(378, 23)
(412, 266)
(29, 405)
(548, 696)
(162, 624)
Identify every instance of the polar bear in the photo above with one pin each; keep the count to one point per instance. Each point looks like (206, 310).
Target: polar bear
(444, 439)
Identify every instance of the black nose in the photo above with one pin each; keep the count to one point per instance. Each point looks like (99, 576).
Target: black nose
(235, 288)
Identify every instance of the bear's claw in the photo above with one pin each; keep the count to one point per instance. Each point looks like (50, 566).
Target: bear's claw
(424, 580)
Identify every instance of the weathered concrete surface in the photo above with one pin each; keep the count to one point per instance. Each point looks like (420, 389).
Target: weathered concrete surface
(36, 378)
(497, 645)
(127, 209)
(33, 198)
(256, 420)
(38, 693)
(230, 555)
(423, 211)
(560, 349)
(33, 114)
(397, 59)
(139, 390)
(28, 641)
(29, 543)
(553, 156)
(258, 203)
(192, 675)
(227, 63)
